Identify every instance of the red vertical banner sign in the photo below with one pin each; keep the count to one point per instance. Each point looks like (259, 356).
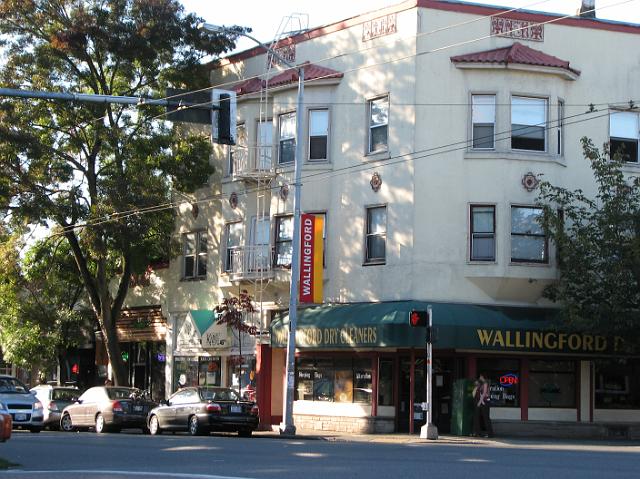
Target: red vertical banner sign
(311, 267)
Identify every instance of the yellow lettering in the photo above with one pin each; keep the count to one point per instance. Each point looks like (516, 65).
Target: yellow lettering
(537, 340)
(484, 336)
(562, 338)
(518, 340)
(575, 342)
(618, 343)
(498, 339)
(601, 343)
(375, 335)
(587, 342)
(509, 343)
(548, 343)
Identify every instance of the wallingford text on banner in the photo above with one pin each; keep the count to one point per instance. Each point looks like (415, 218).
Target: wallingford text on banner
(311, 253)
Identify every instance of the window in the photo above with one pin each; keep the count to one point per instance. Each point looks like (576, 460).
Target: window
(284, 241)
(238, 153)
(209, 371)
(265, 143)
(560, 129)
(376, 234)
(334, 379)
(385, 382)
(528, 123)
(623, 135)
(195, 255)
(483, 233)
(504, 380)
(287, 138)
(528, 242)
(552, 384)
(318, 134)
(483, 119)
(617, 383)
(233, 235)
(378, 124)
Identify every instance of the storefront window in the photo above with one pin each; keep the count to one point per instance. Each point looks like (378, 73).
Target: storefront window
(342, 380)
(552, 384)
(385, 382)
(209, 371)
(504, 381)
(617, 384)
(185, 369)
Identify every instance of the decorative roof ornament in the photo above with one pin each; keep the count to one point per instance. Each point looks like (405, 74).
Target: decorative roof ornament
(376, 182)
(233, 200)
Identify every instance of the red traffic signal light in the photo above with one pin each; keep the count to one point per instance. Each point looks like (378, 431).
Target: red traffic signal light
(419, 319)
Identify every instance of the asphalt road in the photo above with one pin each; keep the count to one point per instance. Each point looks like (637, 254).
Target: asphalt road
(54, 455)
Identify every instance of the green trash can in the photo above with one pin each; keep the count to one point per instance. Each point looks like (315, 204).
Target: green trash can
(462, 407)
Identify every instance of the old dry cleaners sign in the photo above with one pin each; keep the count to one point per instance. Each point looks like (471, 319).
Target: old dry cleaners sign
(343, 337)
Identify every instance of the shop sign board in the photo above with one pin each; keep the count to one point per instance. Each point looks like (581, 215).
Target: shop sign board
(311, 267)
(216, 337)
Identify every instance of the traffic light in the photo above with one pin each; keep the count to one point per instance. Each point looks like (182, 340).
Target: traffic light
(223, 121)
(419, 319)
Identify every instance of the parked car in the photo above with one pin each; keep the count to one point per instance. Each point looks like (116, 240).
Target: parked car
(108, 408)
(54, 399)
(200, 410)
(25, 409)
(6, 423)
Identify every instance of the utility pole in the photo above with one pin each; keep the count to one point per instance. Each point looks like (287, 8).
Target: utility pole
(429, 430)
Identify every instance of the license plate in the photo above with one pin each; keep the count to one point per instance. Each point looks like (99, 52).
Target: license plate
(137, 408)
(236, 408)
(21, 417)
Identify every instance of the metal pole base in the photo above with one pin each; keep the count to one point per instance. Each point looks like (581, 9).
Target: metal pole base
(429, 431)
(287, 430)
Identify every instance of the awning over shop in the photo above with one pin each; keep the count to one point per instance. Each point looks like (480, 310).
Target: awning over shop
(145, 323)
(457, 326)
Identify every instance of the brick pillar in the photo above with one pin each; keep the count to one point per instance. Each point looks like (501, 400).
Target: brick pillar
(263, 373)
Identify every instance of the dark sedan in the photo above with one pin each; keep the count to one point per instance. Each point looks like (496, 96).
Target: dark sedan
(200, 410)
(107, 408)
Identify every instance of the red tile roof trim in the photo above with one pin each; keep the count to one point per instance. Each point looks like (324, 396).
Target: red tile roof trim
(311, 73)
(518, 54)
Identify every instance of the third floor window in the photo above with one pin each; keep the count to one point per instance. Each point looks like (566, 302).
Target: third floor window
(378, 124)
(528, 123)
(287, 138)
(624, 133)
(318, 134)
(483, 118)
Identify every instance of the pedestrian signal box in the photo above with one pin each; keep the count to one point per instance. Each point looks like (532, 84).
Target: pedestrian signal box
(419, 319)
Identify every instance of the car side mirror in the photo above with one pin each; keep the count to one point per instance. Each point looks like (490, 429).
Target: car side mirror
(78, 400)
(165, 402)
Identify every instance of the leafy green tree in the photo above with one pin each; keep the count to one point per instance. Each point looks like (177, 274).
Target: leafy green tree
(99, 171)
(39, 299)
(598, 241)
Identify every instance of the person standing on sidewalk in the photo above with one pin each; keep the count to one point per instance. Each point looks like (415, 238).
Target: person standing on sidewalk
(481, 407)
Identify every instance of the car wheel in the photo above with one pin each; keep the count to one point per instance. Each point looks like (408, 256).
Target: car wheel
(100, 425)
(245, 432)
(194, 426)
(35, 429)
(66, 424)
(154, 426)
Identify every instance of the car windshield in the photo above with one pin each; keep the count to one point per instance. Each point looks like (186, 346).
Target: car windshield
(12, 385)
(64, 394)
(121, 393)
(219, 394)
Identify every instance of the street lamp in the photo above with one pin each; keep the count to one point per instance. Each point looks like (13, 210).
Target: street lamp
(286, 427)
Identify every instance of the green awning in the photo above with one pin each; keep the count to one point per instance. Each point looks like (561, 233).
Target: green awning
(456, 326)
(203, 319)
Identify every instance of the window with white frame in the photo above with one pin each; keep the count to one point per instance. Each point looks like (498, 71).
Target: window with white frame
(483, 119)
(194, 255)
(378, 124)
(624, 133)
(528, 241)
(287, 138)
(318, 134)
(238, 153)
(482, 222)
(284, 241)
(528, 123)
(265, 145)
(376, 234)
(233, 235)
(560, 129)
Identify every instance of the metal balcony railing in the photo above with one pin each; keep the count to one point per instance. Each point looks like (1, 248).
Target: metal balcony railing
(249, 262)
(252, 165)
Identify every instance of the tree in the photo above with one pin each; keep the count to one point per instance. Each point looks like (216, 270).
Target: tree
(39, 298)
(99, 172)
(598, 242)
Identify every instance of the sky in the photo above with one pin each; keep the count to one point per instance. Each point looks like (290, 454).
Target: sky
(265, 17)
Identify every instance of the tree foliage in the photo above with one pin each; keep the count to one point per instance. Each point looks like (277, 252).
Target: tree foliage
(234, 310)
(598, 242)
(99, 171)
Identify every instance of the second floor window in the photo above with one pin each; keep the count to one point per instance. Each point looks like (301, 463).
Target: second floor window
(284, 241)
(287, 138)
(233, 235)
(624, 132)
(528, 241)
(265, 142)
(195, 255)
(528, 123)
(238, 153)
(483, 233)
(318, 134)
(483, 118)
(378, 124)
(376, 234)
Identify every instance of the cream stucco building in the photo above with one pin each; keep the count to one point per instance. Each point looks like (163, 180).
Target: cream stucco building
(427, 126)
